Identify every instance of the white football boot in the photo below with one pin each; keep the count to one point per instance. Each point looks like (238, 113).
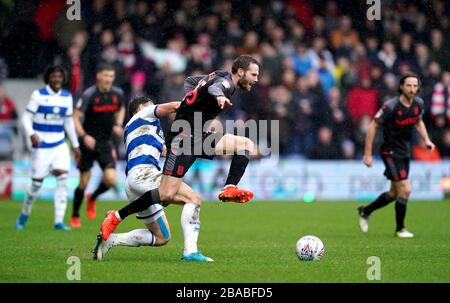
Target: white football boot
(404, 233)
(363, 220)
(102, 247)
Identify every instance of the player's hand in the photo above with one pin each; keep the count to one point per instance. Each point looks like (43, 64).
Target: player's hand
(430, 145)
(35, 140)
(368, 160)
(89, 141)
(224, 102)
(76, 154)
(118, 131)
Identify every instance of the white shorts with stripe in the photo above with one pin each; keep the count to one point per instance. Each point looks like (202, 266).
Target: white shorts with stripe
(45, 160)
(140, 180)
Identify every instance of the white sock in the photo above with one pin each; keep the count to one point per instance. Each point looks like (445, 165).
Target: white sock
(60, 199)
(135, 238)
(190, 223)
(31, 196)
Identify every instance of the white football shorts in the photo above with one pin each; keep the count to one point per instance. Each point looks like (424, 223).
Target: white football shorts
(45, 160)
(140, 180)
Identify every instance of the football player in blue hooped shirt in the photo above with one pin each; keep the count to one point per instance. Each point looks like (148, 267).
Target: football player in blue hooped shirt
(47, 118)
(144, 144)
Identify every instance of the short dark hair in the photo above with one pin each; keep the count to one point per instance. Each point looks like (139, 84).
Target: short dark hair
(105, 66)
(134, 104)
(406, 76)
(243, 62)
(54, 69)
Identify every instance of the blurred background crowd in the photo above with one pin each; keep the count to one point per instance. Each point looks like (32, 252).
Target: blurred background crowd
(325, 67)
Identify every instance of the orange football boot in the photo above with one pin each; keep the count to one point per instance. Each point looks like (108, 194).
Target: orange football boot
(230, 193)
(109, 224)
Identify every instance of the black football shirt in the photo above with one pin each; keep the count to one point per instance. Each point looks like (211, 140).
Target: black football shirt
(397, 123)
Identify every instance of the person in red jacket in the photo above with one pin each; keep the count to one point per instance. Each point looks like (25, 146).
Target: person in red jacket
(363, 100)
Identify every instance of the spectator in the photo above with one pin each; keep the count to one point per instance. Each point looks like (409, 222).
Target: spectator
(362, 100)
(325, 148)
(8, 111)
(444, 144)
(302, 61)
(8, 118)
(388, 55)
(420, 152)
(440, 101)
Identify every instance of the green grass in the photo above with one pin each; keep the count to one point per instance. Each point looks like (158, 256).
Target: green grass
(254, 242)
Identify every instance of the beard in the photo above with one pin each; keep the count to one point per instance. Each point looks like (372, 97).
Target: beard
(244, 83)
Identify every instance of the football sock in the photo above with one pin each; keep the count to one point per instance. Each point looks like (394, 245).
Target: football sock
(100, 190)
(135, 238)
(400, 212)
(190, 223)
(142, 203)
(77, 200)
(60, 199)
(31, 196)
(382, 200)
(237, 168)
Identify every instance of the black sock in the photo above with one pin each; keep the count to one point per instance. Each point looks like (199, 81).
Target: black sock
(142, 203)
(400, 212)
(237, 168)
(100, 190)
(380, 202)
(77, 200)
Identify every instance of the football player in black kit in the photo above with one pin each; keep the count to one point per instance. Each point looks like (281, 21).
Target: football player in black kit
(205, 97)
(397, 119)
(103, 110)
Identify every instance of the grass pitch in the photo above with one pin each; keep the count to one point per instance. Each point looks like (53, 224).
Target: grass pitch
(253, 242)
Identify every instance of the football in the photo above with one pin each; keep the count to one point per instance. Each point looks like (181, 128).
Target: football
(309, 248)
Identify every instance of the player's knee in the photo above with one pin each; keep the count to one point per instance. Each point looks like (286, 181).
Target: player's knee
(405, 190)
(246, 145)
(249, 145)
(109, 180)
(167, 195)
(196, 199)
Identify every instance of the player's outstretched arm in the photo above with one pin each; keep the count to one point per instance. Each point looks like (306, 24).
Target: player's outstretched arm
(165, 109)
(367, 159)
(421, 129)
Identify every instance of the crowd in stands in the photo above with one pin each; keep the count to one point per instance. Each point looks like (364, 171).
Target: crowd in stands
(326, 68)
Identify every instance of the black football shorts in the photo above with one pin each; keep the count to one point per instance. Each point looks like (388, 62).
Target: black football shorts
(397, 168)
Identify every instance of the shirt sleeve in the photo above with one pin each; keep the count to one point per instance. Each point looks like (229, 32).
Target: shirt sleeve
(83, 103)
(220, 87)
(69, 111)
(383, 114)
(33, 104)
(148, 112)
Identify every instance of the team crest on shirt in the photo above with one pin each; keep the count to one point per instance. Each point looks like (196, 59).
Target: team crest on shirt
(97, 99)
(416, 110)
(399, 113)
(115, 99)
(56, 110)
(226, 84)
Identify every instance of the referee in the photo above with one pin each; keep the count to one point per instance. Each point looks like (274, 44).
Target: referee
(101, 107)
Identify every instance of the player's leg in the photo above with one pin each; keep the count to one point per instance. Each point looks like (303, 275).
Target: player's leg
(157, 233)
(404, 190)
(107, 162)
(382, 200)
(60, 168)
(190, 223)
(392, 173)
(40, 169)
(85, 165)
(241, 148)
(78, 198)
